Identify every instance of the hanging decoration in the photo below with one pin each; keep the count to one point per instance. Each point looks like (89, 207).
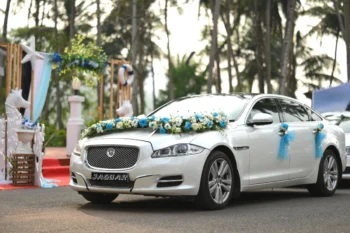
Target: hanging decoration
(286, 137)
(122, 69)
(318, 140)
(166, 125)
(81, 58)
(31, 55)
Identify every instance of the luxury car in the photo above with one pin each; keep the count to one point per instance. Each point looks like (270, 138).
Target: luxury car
(214, 166)
(342, 119)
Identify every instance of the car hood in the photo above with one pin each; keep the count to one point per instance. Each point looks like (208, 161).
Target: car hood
(157, 140)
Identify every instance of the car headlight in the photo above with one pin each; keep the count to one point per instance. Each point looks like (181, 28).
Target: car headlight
(77, 149)
(348, 150)
(177, 150)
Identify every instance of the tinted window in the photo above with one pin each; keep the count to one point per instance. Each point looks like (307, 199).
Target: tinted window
(268, 106)
(293, 112)
(314, 116)
(232, 106)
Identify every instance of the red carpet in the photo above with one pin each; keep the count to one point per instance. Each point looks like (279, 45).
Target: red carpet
(53, 169)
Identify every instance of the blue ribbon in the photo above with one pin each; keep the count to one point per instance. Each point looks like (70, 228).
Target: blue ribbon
(284, 144)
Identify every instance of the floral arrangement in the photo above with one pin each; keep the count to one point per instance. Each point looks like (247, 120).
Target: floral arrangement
(80, 58)
(172, 125)
(27, 124)
(318, 140)
(287, 137)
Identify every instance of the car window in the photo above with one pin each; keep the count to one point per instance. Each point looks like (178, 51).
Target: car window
(268, 106)
(293, 112)
(314, 115)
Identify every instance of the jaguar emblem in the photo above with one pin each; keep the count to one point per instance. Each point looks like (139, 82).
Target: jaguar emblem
(110, 152)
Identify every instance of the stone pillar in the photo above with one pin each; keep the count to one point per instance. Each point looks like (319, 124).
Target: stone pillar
(75, 122)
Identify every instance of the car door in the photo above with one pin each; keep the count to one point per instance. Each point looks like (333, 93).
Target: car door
(302, 149)
(264, 141)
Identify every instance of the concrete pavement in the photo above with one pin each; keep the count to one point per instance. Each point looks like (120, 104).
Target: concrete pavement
(283, 210)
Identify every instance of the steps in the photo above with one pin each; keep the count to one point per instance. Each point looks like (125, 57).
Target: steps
(55, 167)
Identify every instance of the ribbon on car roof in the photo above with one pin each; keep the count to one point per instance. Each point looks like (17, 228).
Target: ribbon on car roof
(318, 140)
(286, 138)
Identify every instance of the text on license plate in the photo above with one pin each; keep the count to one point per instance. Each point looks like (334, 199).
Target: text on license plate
(110, 176)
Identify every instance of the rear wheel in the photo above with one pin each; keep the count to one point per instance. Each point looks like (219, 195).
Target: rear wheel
(216, 185)
(328, 176)
(99, 198)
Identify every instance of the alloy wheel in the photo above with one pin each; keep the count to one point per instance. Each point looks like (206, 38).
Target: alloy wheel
(330, 172)
(220, 180)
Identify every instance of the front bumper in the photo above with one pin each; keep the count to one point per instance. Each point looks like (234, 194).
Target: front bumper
(346, 173)
(145, 174)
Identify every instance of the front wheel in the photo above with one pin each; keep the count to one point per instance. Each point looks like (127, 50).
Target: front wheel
(216, 185)
(328, 176)
(99, 198)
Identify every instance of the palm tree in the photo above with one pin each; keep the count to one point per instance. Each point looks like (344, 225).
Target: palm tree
(215, 12)
(4, 28)
(287, 43)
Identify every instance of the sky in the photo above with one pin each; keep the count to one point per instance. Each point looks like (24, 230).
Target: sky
(186, 37)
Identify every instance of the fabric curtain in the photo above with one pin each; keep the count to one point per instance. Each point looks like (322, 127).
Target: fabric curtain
(42, 77)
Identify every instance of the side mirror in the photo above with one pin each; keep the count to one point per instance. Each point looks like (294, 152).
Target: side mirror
(261, 119)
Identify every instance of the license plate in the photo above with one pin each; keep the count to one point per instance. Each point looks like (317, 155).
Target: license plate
(124, 177)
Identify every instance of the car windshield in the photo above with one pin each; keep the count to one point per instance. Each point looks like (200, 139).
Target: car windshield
(232, 106)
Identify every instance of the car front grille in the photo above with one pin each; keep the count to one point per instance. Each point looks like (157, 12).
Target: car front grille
(111, 184)
(347, 170)
(124, 157)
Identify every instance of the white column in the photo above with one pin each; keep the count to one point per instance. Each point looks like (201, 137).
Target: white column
(75, 122)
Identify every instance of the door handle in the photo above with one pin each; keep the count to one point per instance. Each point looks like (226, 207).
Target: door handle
(281, 133)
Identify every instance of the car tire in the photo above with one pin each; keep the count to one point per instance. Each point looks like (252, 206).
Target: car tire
(328, 176)
(99, 198)
(207, 198)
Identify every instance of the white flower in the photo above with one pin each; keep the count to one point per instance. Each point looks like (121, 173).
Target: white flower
(120, 125)
(195, 126)
(205, 120)
(135, 123)
(193, 119)
(153, 125)
(178, 130)
(178, 121)
(167, 126)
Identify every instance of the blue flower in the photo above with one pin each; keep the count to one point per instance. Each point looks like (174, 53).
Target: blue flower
(198, 116)
(165, 120)
(284, 126)
(215, 114)
(162, 130)
(188, 125)
(143, 122)
(222, 124)
(152, 118)
(117, 120)
(57, 57)
(109, 126)
(210, 124)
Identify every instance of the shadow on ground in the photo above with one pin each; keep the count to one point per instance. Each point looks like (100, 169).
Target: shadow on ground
(174, 205)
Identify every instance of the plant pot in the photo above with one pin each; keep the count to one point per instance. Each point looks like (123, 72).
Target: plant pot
(25, 136)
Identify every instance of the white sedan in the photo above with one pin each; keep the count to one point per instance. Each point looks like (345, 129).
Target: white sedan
(342, 119)
(212, 167)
